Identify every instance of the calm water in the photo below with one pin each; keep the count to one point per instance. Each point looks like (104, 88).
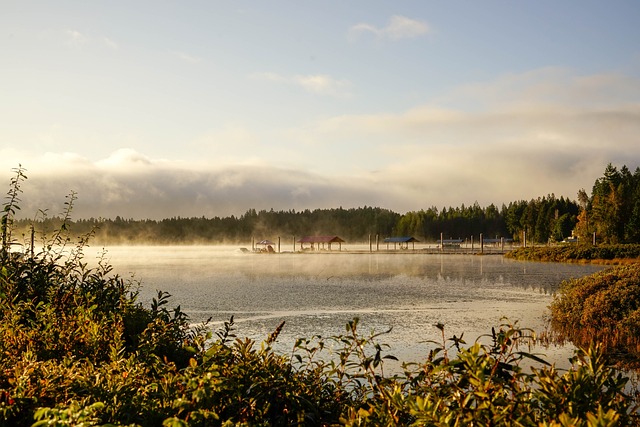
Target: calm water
(318, 293)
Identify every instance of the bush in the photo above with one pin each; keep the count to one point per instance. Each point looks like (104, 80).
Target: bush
(602, 307)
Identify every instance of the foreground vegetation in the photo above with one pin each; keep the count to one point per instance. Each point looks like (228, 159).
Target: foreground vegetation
(78, 349)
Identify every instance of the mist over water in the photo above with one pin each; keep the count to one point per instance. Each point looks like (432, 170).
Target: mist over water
(317, 294)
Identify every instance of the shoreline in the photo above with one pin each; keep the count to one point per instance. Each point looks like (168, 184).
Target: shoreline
(433, 251)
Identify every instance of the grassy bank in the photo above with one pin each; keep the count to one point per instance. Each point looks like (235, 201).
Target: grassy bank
(605, 254)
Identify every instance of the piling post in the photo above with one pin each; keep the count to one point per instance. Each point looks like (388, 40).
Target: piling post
(472, 244)
(481, 244)
(377, 242)
(294, 243)
(441, 243)
(502, 244)
(524, 238)
(253, 244)
(370, 246)
(278, 244)
(33, 233)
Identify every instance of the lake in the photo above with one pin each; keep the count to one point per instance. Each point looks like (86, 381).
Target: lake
(317, 294)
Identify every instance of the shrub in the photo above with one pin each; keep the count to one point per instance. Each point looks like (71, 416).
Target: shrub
(602, 307)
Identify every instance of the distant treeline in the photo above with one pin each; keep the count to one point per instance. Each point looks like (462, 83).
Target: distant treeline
(612, 212)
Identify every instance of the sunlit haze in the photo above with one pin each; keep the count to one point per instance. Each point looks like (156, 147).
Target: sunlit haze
(154, 109)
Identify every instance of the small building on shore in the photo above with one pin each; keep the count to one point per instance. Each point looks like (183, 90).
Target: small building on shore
(317, 243)
(403, 242)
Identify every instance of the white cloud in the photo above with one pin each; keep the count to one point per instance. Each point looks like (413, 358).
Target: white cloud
(76, 38)
(551, 86)
(321, 84)
(519, 137)
(124, 158)
(160, 189)
(399, 27)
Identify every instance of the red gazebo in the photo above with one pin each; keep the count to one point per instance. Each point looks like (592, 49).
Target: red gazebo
(320, 240)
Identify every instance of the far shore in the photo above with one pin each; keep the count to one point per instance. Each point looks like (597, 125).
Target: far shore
(363, 250)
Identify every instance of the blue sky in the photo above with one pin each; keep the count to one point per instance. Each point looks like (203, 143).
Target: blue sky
(154, 109)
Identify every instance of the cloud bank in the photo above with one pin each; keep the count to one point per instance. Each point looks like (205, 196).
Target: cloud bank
(516, 138)
(131, 185)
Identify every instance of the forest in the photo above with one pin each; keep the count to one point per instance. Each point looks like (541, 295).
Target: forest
(611, 213)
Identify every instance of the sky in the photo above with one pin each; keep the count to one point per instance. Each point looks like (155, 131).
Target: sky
(157, 109)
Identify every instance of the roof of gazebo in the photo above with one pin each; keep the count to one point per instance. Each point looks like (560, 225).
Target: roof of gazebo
(320, 239)
(400, 240)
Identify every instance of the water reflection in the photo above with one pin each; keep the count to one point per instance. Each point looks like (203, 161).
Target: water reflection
(319, 293)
